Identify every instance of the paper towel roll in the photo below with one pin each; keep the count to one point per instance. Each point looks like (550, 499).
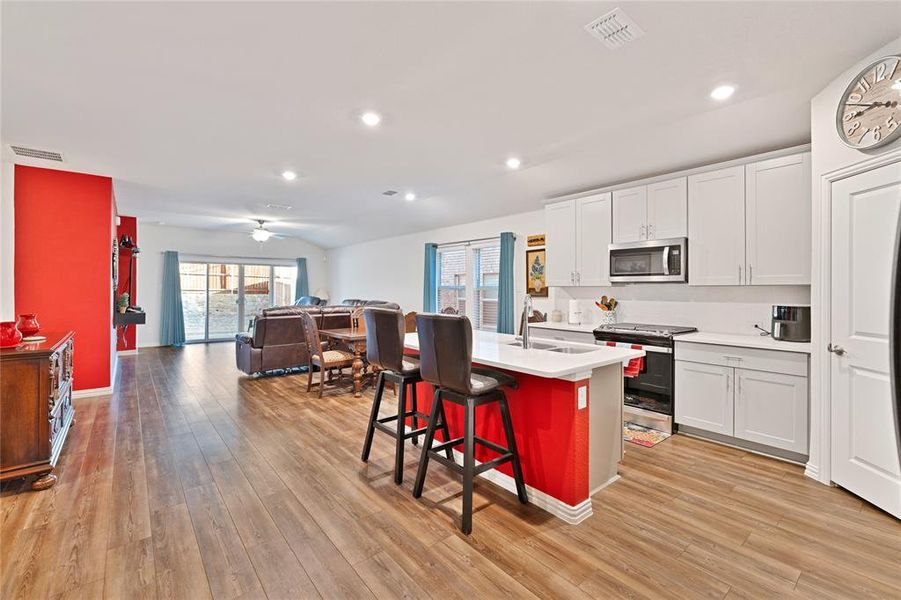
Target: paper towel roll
(575, 313)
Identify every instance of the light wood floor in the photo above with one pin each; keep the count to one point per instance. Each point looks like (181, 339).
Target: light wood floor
(195, 481)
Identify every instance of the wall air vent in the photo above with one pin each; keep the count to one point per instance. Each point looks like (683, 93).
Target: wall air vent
(389, 193)
(615, 29)
(33, 153)
(279, 206)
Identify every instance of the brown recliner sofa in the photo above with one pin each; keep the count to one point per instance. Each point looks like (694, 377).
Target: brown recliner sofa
(277, 341)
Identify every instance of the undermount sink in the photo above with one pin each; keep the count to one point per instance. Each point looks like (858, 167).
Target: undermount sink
(534, 345)
(571, 350)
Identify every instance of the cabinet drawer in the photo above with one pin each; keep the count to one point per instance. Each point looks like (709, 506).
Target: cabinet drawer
(772, 361)
(563, 336)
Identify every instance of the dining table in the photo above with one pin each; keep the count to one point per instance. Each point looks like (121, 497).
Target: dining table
(355, 339)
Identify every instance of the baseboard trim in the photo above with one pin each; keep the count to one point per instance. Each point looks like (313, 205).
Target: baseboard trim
(104, 391)
(127, 352)
(560, 509)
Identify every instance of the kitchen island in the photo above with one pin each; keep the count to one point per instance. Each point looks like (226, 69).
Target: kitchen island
(566, 413)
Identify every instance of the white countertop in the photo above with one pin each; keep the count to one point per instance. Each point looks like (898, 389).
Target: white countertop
(742, 340)
(564, 326)
(493, 350)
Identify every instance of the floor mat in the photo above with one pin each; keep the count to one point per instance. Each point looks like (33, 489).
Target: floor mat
(643, 436)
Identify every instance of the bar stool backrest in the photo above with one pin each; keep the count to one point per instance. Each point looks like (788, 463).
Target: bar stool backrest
(445, 351)
(384, 338)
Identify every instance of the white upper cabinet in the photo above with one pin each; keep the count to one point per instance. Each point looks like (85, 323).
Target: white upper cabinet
(778, 220)
(560, 222)
(593, 224)
(716, 227)
(630, 214)
(668, 209)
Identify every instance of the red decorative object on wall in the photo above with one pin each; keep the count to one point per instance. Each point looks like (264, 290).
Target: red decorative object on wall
(28, 324)
(10, 337)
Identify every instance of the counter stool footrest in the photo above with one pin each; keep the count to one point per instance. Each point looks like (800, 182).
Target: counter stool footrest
(448, 444)
(491, 445)
(447, 462)
(393, 431)
(494, 462)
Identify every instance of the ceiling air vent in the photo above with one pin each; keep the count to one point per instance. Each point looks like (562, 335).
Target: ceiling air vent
(615, 29)
(32, 153)
(389, 193)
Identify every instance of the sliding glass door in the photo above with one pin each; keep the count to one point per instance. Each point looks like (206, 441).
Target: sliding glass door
(219, 299)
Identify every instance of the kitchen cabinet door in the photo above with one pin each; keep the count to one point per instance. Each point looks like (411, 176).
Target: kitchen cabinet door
(630, 214)
(560, 222)
(703, 396)
(771, 409)
(668, 209)
(716, 227)
(593, 225)
(777, 202)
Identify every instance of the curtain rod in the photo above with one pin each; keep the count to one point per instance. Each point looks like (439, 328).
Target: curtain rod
(467, 242)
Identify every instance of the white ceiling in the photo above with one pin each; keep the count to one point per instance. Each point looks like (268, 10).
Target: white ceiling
(195, 108)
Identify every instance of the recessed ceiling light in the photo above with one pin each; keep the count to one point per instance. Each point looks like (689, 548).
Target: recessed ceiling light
(722, 92)
(897, 85)
(289, 175)
(513, 163)
(409, 196)
(371, 118)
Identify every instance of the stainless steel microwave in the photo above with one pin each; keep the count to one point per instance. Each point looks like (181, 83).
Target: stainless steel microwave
(651, 261)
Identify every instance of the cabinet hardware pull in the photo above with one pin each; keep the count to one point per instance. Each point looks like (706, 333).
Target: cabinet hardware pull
(750, 273)
(739, 274)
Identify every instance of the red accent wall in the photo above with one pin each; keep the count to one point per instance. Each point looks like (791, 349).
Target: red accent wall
(127, 226)
(63, 264)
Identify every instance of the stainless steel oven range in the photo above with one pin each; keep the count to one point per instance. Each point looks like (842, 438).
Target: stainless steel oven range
(649, 397)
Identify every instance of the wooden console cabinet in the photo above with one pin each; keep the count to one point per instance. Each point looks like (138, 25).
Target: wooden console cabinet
(35, 407)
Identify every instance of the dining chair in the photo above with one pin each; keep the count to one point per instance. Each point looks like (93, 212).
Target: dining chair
(322, 357)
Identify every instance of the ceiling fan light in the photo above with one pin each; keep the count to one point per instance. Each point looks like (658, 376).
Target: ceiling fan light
(261, 235)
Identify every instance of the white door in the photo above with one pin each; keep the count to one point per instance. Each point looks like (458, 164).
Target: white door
(864, 226)
(630, 214)
(593, 223)
(560, 241)
(771, 409)
(668, 209)
(778, 220)
(704, 397)
(716, 227)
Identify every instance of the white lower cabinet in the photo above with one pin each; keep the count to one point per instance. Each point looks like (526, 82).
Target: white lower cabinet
(771, 409)
(704, 396)
(765, 407)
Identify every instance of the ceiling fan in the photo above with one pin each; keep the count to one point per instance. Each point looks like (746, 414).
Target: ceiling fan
(260, 233)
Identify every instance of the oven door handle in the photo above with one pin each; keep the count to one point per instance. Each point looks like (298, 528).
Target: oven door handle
(657, 349)
(666, 260)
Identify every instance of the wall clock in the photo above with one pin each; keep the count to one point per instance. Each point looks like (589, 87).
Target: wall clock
(868, 114)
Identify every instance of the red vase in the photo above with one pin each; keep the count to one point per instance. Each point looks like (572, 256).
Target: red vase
(10, 337)
(28, 324)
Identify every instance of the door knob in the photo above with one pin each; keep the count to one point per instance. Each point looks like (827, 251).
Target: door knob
(835, 349)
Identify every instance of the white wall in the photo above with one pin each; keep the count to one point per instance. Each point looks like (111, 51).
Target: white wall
(392, 269)
(7, 242)
(154, 240)
(828, 154)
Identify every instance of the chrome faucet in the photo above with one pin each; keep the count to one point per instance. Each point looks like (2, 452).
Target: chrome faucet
(524, 324)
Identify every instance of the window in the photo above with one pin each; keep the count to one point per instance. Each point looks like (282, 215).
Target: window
(219, 299)
(468, 276)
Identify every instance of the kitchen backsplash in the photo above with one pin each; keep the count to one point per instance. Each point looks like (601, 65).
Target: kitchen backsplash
(727, 309)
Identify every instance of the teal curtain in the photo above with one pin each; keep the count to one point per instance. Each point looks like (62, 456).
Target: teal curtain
(301, 285)
(430, 279)
(172, 316)
(505, 284)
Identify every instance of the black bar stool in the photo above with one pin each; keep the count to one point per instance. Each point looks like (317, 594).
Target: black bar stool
(445, 351)
(385, 351)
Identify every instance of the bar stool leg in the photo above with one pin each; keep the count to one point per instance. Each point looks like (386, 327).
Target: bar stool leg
(415, 409)
(511, 446)
(427, 444)
(468, 465)
(401, 430)
(373, 415)
(445, 432)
